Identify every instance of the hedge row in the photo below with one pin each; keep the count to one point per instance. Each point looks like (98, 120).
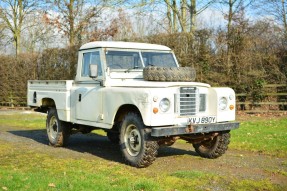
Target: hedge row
(52, 64)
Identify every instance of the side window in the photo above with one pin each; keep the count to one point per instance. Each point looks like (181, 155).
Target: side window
(91, 58)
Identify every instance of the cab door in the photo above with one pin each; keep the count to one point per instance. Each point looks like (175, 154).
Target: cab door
(89, 103)
(87, 95)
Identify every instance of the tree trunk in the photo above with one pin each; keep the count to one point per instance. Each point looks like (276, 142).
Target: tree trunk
(71, 23)
(183, 5)
(17, 44)
(284, 18)
(169, 16)
(174, 14)
(229, 34)
(192, 16)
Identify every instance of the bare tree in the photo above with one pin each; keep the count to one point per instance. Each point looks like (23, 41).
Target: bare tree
(124, 26)
(39, 35)
(120, 28)
(275, 8)
(174, 15)
(180, 13)
(14, 13)
(2, 35)
(169, 16)
(195, 9)
(74, 17)
(234, 8)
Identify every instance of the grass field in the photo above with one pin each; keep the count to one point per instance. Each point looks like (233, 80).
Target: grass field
(264, 135)
(25, 169)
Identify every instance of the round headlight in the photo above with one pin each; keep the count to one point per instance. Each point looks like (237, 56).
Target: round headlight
(164, 105)
(222, 104)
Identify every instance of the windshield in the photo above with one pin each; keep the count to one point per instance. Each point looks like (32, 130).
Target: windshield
(132, 59)
(123, 60)
(158, 59)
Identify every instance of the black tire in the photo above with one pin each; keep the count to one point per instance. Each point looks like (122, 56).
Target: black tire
(113, 137)
(168, 74)
(136, 145)
(58, 131)
(215, 147)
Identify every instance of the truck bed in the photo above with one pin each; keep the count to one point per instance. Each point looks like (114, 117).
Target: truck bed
(57, 91)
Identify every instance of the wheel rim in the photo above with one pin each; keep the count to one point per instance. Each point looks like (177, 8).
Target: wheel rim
(53, 127)
(132, 140)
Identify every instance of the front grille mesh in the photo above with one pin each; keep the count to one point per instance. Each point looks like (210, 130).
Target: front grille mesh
(187, 101)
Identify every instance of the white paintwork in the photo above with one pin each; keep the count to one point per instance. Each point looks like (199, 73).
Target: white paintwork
(123, 45)
(150, 84)
(101, 98)
(58, 90)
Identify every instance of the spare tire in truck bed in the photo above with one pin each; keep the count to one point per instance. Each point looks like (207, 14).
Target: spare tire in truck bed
(169, 74)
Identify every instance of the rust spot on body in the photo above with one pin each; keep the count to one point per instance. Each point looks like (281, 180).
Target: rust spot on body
(189, 129)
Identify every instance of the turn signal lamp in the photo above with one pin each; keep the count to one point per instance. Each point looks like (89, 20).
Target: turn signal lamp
(155, 110)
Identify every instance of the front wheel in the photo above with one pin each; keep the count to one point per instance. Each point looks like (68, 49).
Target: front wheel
(213, 148)
(136, 145)
(57, 130)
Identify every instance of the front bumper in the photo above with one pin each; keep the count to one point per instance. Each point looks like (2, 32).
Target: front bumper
(193, 129)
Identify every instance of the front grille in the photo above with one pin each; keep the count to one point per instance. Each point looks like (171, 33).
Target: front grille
(187, 101)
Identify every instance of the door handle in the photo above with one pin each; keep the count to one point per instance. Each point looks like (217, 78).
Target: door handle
(80, 97)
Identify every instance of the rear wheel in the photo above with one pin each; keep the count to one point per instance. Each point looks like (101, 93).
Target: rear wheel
(136, 145)
(213, 148)
(58, 131)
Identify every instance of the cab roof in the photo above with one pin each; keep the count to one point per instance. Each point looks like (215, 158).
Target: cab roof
(123, 45)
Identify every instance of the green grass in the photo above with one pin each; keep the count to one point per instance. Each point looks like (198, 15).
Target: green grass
(23, 121)
(24, 169)
(250, 185)
(45, 172)
(268, 136)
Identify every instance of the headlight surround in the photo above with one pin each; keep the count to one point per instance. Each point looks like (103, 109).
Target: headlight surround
(222, 104)
(164, 105)
(231, 96)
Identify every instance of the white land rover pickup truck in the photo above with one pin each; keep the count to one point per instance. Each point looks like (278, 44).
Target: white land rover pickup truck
(140, 96)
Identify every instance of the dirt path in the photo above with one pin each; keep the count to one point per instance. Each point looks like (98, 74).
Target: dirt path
(238, 164)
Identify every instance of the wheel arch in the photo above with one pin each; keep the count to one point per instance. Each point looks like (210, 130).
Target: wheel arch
(122, 111)
(46, 103)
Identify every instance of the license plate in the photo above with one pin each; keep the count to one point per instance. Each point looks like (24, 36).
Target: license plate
(202, 120)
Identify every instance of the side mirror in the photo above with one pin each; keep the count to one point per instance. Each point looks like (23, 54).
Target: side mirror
(93, 71)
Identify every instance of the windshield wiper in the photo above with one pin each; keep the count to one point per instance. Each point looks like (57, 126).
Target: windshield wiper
(128, 70)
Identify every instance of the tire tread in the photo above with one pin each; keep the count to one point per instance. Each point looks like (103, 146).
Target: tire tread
(220, 147)
(150, 147)
(169, 74)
